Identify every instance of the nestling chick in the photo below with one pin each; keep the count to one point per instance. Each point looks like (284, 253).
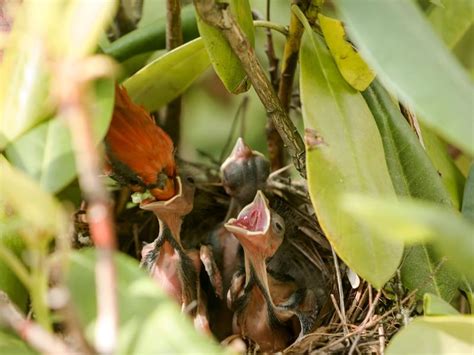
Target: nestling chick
(260, 232)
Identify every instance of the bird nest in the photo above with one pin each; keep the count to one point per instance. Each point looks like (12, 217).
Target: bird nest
(355, 318)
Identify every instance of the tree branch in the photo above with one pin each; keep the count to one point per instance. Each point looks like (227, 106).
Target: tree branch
(218, 15)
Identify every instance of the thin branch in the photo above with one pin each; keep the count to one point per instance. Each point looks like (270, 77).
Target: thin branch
(72, 83)
(271, 26)
(219, 16)
(174, 38)
(33, 334)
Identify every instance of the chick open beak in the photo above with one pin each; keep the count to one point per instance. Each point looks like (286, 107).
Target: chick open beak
(252, 229)
(172, 211)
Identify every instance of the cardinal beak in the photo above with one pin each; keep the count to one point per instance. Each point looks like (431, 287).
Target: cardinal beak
(167, 191)
(253, 229)
(172, 211)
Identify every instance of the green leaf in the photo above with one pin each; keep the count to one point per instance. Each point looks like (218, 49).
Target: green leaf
(436, 306)
(11, 344)
(344, 153)
(42, 33)
(468, 198)
(452, 20)
(452, 178)
(414, 175)
(410, 168)
(226, 64)
(416, 221)
(434, 335)
(418, 67)
(424, 270)
(45, 152)
(24, 197)
(150, 323)
(168, 76)
(350, 64)
(152, 37)
(23, 78)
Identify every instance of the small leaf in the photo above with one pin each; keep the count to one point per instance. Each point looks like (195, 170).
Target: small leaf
(11, 344)
(168, 76)
(350, 64)
(435, 306)
(414, 175)
(45, 152)
(452, 20)
(226, 64)
(416, 221)
(344, 154)
(150, 323)
(434, 335)
(468, 198)
(418, 67)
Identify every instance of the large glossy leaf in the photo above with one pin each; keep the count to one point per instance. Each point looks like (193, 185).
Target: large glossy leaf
(344, 153)
(398, 42)
(25, 199)
(45, 152)
(435, 306)
(350, 64)
(411, 170)
(415, 221)
(150, 323)
(168, 76)
(225, 62)
(434, 335)
(414, 175)
(452, 20)
(468, 198)
(452, 178)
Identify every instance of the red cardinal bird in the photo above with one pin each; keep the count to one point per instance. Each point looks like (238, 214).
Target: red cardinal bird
(140, 154)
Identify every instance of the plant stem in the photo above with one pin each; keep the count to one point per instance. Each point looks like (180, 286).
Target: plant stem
(174, 38)
(219, 16)
(39, 287)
